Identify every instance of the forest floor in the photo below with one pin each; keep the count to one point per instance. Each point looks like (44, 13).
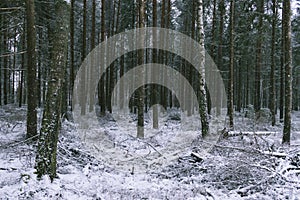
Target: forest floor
(240, 166)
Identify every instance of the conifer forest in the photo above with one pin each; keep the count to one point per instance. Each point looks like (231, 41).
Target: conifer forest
(150, 99)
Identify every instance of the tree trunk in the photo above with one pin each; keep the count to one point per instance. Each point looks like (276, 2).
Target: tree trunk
(72, 46)
(12, 93)
(1, 52)
(282, 74)
(101, 93)
(212, 50)
(220, 49)
(47, 145)
(257, 98)
(39, 73)
(272, 104)
(21, 74)
(213, 35)
(163, 96)
(154, 60)
(239, 86)
(231, 66)
(83, 54)
(140, 105)
(167, 92)
(110, 77)
(288, 70)
(93, 40)
(31, 71)
(202, 103)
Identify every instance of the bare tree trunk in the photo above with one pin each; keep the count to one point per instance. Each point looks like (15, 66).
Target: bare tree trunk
(163, 96)
(167, 93)
(286, 21)
(39, 73)
(282, 76)
(83, 54)
(212, 50)
(31, 70)
(202, 103)
(257, 98)
(13, 68)
(93, 41)
(5, 69)
(231, 66)
(47, 145)
(154, 60)
(272, 75)
(101, 93)
(110, 78)
(220, 49)
(213, 35)
(141, 92)
(1, 52)
(72, 46)
(21, 74)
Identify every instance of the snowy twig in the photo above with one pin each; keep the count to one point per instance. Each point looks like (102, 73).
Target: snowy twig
(249, 133)
(153, 148)
(14, 126)
(8, 169)
(21, 142)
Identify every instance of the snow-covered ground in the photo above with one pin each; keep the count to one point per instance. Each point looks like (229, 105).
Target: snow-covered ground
(252, 166)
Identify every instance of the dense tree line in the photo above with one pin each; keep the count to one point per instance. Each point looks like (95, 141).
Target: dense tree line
(255, 45)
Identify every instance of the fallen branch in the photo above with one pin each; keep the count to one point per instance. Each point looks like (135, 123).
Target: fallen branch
(11, 8)
(249, 133)
(8, 169)
(12, 54)
(17, 143)
(257, 151)
(276, 154)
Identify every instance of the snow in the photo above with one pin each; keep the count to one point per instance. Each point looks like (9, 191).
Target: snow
(250, 166)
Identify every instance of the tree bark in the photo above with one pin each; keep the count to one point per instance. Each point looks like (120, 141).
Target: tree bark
(47, 145)
(154, 60)
(288, 70)
(72, 46)
(202, 104)
(220, 49)
(141, 92)
(272, 104)
(231, 66)
(93, 44)
(21, 74)
(31, 71)
(257, 98)
(101, 93)
(163, 93)
(83, 54)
